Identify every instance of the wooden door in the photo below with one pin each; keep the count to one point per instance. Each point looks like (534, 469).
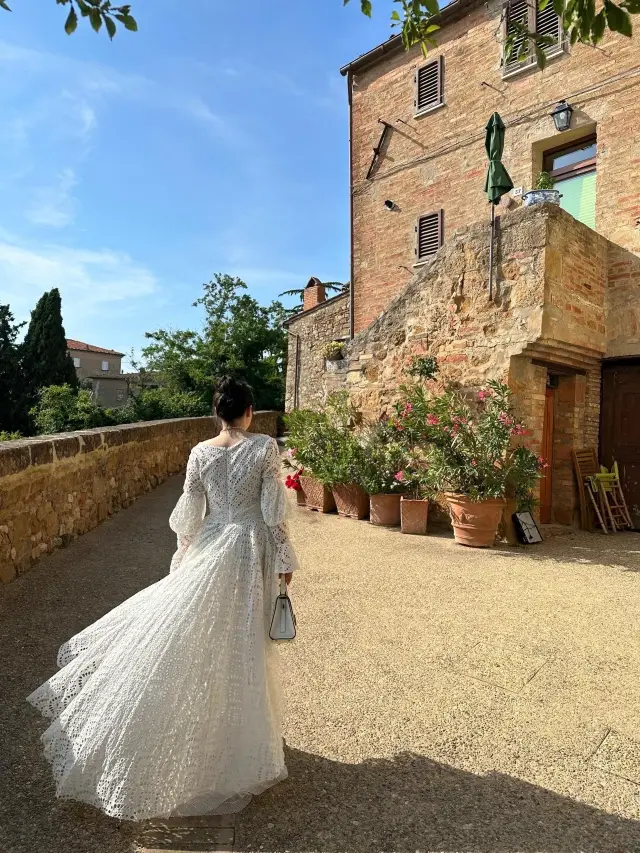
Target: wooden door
(547, 453)
(620, 427)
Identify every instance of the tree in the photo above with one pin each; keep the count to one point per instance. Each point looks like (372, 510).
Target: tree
(239, 336)
(10, 374)
(44, 355)
(333, 286)
(61, 408)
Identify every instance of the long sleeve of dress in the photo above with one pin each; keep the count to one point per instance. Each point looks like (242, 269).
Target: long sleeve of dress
(186, 519)
(274, 510)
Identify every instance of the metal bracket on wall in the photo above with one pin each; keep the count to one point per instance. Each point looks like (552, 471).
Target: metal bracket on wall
(378, 148)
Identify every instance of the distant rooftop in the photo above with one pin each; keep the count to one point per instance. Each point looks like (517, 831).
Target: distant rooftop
(80, 346)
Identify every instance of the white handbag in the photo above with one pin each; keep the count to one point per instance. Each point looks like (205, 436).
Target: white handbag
(283, 623)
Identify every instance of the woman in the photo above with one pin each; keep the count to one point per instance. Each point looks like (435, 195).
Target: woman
(169, 704)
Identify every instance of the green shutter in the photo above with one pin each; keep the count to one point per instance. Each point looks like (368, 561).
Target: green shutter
(579, 198)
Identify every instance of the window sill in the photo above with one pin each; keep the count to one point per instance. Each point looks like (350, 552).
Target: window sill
(424, 262)
(428, 110)
(531, 66)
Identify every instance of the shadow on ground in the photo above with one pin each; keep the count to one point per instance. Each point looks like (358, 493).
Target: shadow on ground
(617, 550)
(38, 612)
(410, 804)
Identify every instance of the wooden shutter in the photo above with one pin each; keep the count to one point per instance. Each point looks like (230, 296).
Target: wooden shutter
(544, 23)
(517, 12)
(429, 85)
(548, 24)
(429, 233)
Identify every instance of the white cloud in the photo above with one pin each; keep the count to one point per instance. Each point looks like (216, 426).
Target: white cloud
(54, 205)
(90, 281)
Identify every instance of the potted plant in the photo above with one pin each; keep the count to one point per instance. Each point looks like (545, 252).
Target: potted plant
(414, 504)
(334, 351)
(383, 473)
(292, 481)
(544, 191)
(472, 456)
(345, 465)
(309, 449)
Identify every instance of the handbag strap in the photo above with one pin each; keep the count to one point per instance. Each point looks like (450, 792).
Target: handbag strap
(283, 585)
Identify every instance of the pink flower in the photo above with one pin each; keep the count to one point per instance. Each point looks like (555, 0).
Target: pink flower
(542, 462)
(292, 452)
(399, 476)
(484, 394)
(518, 429)
(433, 420)
(505, 419)
(407, 410)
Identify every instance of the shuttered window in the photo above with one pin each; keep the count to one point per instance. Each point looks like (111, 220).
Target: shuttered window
(544, 22)
(429, 235)
(429, 86)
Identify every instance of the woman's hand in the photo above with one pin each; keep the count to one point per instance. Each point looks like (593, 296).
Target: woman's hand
(288, 577)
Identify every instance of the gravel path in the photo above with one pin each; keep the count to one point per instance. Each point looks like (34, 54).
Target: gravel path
(439, 699)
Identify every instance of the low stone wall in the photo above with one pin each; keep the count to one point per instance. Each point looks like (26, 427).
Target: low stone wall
(54, 488)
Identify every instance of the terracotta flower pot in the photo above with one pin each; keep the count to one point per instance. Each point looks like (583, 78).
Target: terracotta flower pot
(385, 510)
(351, 500)
(316, 495)
(414, 515)
(475, 524)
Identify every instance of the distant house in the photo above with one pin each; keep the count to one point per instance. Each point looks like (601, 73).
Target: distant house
(101, 370)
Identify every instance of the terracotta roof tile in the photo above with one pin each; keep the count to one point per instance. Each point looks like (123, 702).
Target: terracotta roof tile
(79, 346)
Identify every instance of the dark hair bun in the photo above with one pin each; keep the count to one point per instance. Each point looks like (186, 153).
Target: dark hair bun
(231, 399)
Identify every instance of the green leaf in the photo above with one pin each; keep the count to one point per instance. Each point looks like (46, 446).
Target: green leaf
(541, 57)
(365, 5)
(96, 19)
(130, 23)
(71, 23)
(111, 27)
(573, 38)
(558, 7)
(3, 4)
(618, 19)
(598, 27)
(394, 15)
(542, 5)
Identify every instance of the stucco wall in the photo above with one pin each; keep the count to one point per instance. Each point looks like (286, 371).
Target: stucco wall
(55, 488)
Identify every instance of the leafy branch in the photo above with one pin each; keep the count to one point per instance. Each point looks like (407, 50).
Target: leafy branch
(98, 12)
(580, 23)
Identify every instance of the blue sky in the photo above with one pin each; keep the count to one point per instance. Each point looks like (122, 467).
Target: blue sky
(213, 140)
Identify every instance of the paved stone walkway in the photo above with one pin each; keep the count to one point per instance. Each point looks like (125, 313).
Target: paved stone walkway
(438, 699)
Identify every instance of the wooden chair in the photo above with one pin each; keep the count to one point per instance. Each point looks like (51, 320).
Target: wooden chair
(586, 466)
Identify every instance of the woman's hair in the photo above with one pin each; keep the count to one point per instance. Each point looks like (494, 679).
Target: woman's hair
(231, 399)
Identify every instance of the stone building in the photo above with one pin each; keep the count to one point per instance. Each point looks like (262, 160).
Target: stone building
(563, 326)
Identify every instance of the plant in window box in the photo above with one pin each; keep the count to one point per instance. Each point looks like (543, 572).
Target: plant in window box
(544, 191)
(472, 456)
(334, 351)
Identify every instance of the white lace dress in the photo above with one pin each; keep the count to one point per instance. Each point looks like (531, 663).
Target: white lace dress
(169, 705)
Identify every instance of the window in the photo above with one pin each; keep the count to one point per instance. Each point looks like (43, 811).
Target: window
(429, 232)
(544, 22)
(76, 362)
(574, 169)
(105, 365)
(429, 82)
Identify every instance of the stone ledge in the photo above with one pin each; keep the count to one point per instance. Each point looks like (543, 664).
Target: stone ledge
(56, 487)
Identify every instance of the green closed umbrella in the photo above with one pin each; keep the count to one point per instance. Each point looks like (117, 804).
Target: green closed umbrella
(497, 182)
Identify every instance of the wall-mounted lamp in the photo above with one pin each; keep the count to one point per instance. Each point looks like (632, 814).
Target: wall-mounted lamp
(390, 205)
(561, 116)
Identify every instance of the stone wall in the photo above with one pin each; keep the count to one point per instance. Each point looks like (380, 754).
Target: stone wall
(308, 334)
(623, 303)
(437, 161)
(55, 488)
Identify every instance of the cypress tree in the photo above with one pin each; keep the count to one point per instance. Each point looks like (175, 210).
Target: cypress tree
(10, 374)
(45, 358)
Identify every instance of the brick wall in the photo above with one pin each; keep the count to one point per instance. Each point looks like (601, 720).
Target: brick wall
(622, 303)
(438, 160)
(55, 488)
(308, 334)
